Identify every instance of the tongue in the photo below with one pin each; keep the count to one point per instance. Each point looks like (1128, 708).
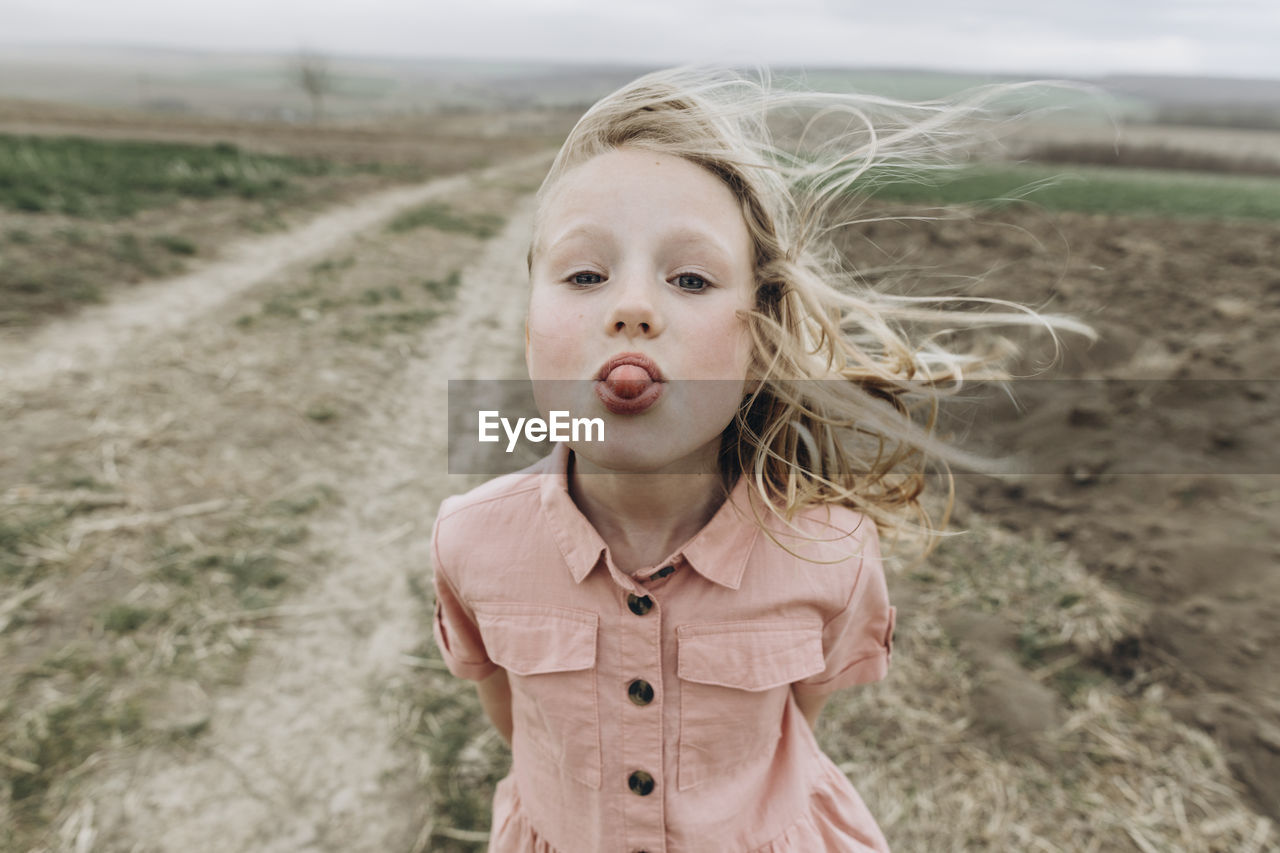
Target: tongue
(628, 381)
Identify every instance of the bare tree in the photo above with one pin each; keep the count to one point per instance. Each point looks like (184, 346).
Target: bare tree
(312, 74)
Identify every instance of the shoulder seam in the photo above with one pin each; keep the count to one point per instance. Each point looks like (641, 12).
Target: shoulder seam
(475, 503)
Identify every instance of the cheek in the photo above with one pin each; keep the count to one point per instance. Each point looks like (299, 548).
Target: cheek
(551, 348)
(724, 347)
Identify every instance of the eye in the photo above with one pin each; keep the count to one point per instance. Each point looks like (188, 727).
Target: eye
(691, 283)
(585, 279)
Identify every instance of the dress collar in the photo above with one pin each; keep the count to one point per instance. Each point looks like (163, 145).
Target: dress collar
(718, 551)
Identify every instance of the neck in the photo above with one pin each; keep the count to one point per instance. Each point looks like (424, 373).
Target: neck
(644, 517)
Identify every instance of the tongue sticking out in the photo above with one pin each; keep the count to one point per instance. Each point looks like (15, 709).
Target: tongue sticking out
(628, 381)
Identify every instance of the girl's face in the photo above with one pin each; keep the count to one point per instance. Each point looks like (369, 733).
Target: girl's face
(642, 266)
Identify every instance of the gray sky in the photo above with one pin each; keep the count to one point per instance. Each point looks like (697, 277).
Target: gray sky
(1084, 37)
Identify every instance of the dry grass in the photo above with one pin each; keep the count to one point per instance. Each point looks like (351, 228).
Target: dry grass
(461, 756)
(1117, 772)
(426, 144)
(103, 602)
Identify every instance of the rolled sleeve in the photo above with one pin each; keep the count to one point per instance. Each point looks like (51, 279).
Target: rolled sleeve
(456, 632)
(857, 642)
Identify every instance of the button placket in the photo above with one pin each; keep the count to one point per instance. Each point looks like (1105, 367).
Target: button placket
(640, 752)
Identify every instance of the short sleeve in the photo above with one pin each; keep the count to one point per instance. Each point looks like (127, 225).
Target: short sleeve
(857, 643)
(457, 635)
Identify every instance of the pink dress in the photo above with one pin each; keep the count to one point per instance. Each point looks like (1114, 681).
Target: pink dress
(653, 712)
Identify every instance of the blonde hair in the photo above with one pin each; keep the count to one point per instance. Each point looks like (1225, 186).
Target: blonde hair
(854, 441)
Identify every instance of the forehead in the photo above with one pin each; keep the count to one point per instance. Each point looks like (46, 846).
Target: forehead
(628, 189)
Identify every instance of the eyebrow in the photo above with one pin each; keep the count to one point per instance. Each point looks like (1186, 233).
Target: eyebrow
(679, 235)
(586, 230)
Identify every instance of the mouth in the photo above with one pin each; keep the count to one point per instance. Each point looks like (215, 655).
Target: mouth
(629, 383)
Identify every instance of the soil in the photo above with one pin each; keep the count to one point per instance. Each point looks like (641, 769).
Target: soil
(1152, 453)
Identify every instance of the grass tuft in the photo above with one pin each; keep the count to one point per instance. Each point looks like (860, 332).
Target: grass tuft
(125, 618)
(443, 218)
(175, 245)
(322, 414)
(444, 289)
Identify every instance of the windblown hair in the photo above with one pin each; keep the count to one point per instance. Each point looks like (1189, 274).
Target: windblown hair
(846, 400)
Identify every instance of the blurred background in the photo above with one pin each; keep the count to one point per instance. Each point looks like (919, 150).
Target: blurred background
(244, 246)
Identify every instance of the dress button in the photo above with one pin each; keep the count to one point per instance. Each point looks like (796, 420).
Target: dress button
(639, 604)
(662, 572)
(640, 691)
(640, 783)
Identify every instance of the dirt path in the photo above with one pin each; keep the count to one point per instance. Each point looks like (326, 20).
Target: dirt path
(302, 755)
(160, 307)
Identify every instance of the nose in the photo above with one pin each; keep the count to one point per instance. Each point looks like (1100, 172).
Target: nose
(634, 311)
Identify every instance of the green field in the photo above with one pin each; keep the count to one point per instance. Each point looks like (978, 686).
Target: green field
(103, 179)
(78, 215)
(1102, 190)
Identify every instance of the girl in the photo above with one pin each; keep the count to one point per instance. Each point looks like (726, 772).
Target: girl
(656, 620)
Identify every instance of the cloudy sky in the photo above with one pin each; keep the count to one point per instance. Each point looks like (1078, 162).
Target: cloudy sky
(1236, 38)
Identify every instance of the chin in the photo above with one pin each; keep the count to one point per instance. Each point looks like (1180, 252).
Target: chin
(647, 456)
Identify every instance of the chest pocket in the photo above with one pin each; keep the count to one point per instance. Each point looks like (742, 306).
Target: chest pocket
(549, 654)
(735, 678)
